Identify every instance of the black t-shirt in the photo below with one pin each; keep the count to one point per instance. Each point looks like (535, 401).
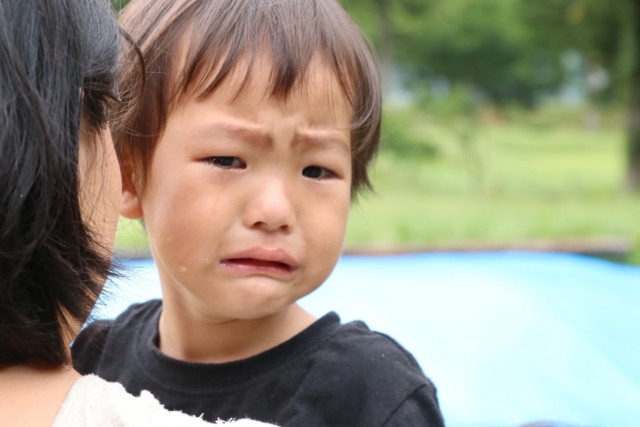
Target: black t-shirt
(331, 374)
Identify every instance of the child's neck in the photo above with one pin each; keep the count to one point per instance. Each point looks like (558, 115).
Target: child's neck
(187, 336)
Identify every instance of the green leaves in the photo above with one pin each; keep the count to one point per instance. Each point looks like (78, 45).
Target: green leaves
(473, 42)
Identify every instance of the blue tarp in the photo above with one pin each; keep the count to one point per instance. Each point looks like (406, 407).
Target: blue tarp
(508, 338)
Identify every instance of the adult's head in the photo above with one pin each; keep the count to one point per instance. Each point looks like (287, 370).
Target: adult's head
(58, 183)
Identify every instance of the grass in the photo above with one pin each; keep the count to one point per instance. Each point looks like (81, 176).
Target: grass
(496, 179)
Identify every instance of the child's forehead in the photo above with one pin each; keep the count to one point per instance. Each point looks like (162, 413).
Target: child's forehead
(242, 107)
(251, 82)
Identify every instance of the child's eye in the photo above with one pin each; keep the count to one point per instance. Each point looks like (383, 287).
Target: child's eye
(317, 172)
(227, 162)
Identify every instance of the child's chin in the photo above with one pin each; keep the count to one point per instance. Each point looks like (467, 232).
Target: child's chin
(254, 313)
(258, 304)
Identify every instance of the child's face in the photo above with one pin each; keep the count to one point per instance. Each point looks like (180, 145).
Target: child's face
(247, 201)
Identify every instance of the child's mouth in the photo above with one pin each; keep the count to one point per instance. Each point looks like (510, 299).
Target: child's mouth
(253, 265)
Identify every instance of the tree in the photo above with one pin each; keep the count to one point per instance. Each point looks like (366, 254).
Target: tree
(380, 20)
(633, 145)
(607, 33)
(477, 43)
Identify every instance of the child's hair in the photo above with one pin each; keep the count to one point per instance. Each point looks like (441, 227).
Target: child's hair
(58, 70)
(191, 46)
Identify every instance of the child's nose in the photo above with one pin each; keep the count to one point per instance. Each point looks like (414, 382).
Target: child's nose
(271, 208)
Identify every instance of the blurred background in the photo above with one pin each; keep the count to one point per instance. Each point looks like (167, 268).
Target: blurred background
(511, 149)
(508, 125)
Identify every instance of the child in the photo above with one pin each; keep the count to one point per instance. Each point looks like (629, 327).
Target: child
(259, 122)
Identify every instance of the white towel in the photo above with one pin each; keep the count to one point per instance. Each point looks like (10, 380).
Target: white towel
(94, 402)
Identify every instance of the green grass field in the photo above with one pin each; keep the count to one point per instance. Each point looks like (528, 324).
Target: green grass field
(533, 177)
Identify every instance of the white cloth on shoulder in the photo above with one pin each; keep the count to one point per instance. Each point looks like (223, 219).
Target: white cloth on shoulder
(94, 402)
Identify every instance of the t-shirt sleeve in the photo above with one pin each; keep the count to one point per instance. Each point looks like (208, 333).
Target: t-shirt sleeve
(419, 409)
(88, 346)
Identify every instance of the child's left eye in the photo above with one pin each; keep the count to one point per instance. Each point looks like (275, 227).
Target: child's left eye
(317, 172)
(227, 162)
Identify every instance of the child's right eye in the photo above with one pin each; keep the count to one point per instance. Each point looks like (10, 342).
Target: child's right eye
(227, 162)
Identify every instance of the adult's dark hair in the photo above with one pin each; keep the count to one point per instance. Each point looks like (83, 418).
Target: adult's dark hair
(193, 45)
(58, 63)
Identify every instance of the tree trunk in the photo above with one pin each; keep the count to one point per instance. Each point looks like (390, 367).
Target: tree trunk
(633, 138)
(387, 46)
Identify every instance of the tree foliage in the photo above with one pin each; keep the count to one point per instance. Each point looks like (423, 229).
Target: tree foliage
(601, 31)
(472, 42)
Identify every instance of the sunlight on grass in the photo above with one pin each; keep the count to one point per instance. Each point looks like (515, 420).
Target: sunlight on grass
(526, 183)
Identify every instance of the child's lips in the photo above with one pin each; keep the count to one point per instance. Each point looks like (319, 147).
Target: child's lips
(260, 261)
(252, 265)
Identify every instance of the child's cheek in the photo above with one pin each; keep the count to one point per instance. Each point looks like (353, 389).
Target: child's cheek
(327, 231)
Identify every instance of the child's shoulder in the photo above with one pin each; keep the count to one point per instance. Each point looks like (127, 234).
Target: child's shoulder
(365, 345)
(368, 374)
(360, 352)
(106, 338)
(354, 342)
(134, 317)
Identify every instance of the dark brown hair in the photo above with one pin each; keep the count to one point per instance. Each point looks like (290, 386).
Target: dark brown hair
(58, 69)
(209, 38)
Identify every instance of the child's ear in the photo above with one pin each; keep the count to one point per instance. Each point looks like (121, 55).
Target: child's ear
(130, 206)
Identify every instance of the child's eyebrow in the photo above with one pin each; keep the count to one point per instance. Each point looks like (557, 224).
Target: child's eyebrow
(322, 138)
(254, 133)
(244, 132)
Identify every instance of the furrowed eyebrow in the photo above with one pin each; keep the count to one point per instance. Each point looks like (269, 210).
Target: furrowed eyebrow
(244, 132)
(254, 134)
(328, 138)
